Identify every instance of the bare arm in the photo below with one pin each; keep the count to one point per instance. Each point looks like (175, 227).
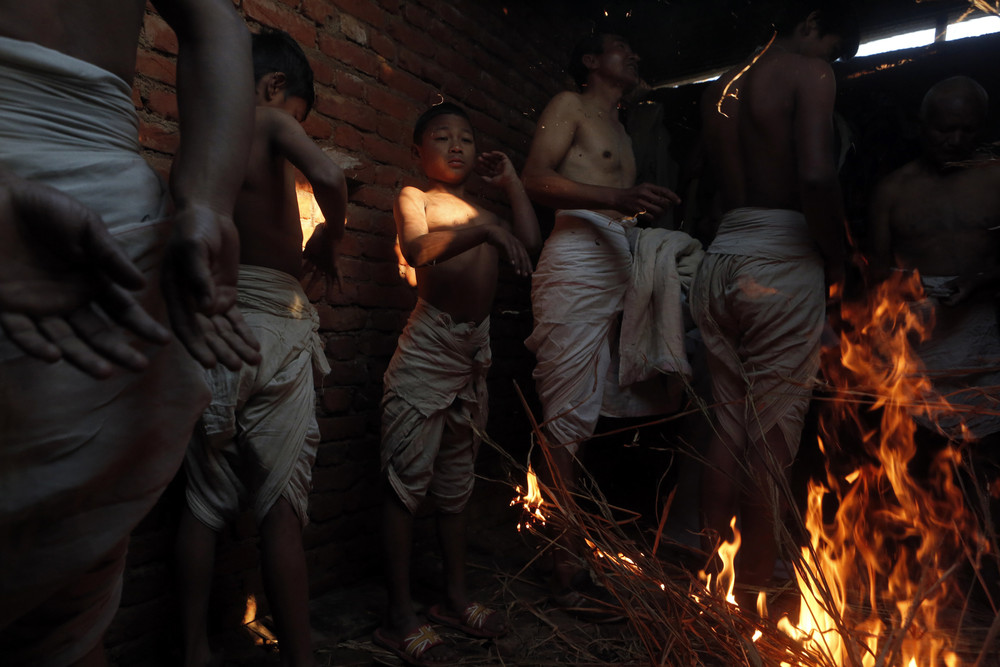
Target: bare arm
(552, 141)
(820, 189)
(422, 247)
(499, 171)
(328, 184)
(215, 101)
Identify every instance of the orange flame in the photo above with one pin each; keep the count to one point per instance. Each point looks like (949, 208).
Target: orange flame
(875, 581)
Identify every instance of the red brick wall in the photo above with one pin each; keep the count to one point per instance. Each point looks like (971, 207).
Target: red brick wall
(377, 65)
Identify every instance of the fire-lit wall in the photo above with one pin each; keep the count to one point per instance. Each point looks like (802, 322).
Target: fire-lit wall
(378, 65)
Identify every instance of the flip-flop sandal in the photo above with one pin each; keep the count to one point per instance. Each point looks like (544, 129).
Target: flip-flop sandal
(472, 622)
(412, 648)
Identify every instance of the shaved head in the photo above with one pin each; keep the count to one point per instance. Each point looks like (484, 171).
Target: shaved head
(956, 89)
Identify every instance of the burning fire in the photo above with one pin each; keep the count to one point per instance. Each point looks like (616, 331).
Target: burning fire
(726, 579)
(876, 581)
(530, 499)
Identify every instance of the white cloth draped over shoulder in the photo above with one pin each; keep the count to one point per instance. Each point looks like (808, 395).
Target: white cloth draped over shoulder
(586, 278)
(263, 416)
(81, 460)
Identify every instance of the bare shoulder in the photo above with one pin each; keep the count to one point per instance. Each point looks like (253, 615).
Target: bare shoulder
(564, 104)
(810, 72)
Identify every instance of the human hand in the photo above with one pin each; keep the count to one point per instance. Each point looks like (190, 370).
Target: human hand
(958, 290)
(65, 283)
(510, 249)
(321, 257)
(199, 285)
(496, 169)
(645, 198)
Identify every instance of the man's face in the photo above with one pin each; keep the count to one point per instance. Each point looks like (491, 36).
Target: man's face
(950, 128)
(618, 61)
(448, 149)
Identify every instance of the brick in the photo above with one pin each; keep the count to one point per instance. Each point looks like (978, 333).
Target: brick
(383, 45)
(349, 85)
(412, 38)
(163, 103)
(341, 348)
(366, 10)
(390, 103)
(346, 319)
(387, 152)
(389, 176)
(405, 83)
(348, 138)
(349, 53)
(317, 127)
(159, 35)
(417, 16)
(352, 111)
(337, 400)
(157, 137)
(457, 62)
(156, 67)
(318, 10)
(324, 70)
(336, 428)
(276, 16)
(376, 197)
(136, 98)
(353, 29)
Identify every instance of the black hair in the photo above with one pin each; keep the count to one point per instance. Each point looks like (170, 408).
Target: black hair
(592, 44)
(443, 109)
(276, 51)
(837, 17)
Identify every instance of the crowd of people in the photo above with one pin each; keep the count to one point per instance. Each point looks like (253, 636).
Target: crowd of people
(148, 327)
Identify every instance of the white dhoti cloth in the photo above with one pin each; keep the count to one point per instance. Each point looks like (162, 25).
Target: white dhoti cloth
(81, 460)
(435, 408)
(578, 294)
(258, 436)
(962, 360)
(759, 301)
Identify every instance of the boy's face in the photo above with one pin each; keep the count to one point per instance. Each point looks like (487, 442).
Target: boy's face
(448, 150)
(296, 106)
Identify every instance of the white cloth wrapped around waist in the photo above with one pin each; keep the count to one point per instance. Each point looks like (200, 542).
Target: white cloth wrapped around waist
(438, 360)
(72, 125)
(263, 416)
(962, 360)
(82, 460)
(766, 233)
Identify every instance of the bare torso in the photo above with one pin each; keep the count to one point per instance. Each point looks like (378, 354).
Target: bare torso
(601, 150)
(267, 208)
(464, 285)
(69, 26)
(940, 222)
(749, 139)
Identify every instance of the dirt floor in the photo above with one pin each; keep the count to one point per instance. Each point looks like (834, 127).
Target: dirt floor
(504, 571)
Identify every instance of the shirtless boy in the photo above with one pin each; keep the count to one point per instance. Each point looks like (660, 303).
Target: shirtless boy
(82, 460)
(581, 162)
(940, 215)
(435, 402)
(259, 435)
(759, 297)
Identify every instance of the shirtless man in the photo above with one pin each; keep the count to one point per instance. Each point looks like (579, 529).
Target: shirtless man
(759, 297)
(82, 460)
(581, 162)
(939, 215)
